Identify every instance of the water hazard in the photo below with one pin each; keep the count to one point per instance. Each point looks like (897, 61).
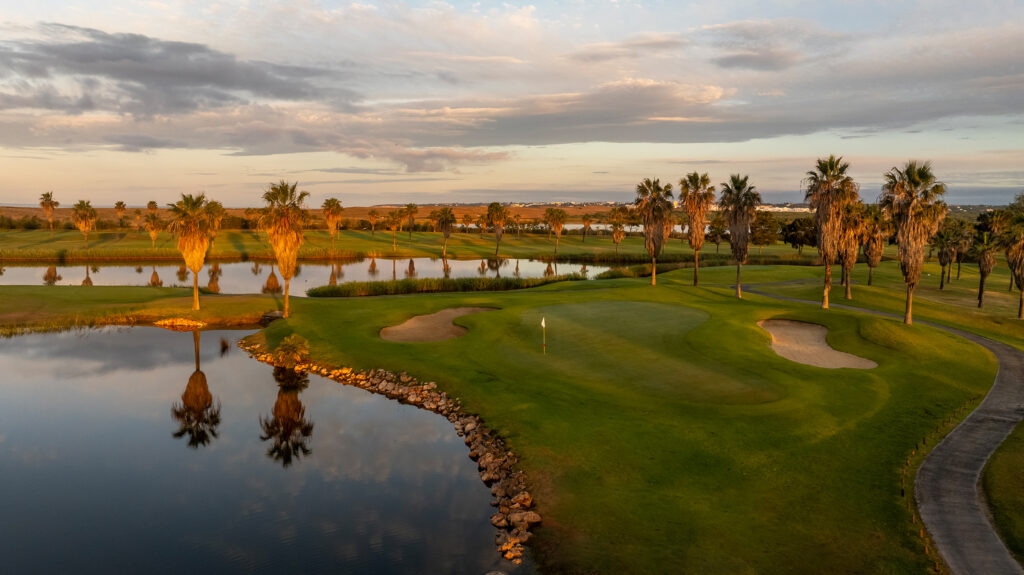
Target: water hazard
(136, 450)
(256, 277)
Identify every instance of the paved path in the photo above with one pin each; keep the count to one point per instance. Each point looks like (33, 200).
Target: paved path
(947, 488)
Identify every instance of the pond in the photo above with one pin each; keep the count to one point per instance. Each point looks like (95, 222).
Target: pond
(134, 450)
(256, 277)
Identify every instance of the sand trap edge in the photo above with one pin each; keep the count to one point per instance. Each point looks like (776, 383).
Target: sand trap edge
(804, 342)
(432, 327)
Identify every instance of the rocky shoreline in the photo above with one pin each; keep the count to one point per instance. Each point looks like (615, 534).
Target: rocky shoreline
(515, 515)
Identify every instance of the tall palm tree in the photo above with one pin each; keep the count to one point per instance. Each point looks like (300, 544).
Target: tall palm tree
(654, 204)
(849, 242)
(372, 216)
(284, 218)
(519, 228)
(945, 242)
(481, 224)
(984, 248)
(198, 415)
(738, 202)
(912, 197)
(153, 226)
(410, 212)
(332, 215)
(617, 221)
(48, 204)
(138, 220)
(697, 196)
(394, 223)
(828, 190)
(1013, 241)
(587, 219)
(877, 230)
(190, 222)
(964, 239)
(152, 206)
(467, 220)
(120, 208)
(84, 216)
(555, 219)
(496, 216)
(446, 223)
(216, 212)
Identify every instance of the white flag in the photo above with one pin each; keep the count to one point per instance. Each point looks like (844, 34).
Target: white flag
(542, 324)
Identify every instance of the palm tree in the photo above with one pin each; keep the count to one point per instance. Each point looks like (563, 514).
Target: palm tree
(467, 220)
(697, 195)
(944, 242)
(481, 224)
(138, 220)
(849, 242)
(88, 280)
(964, 239)
(216, 212)
(654, 204)
(287, 427)
(190, 222)
(555, 219)
(587, 218)
(717, 230)
(84, 216)
(911, 196)
(372, 216)
(120, 208)
(48, 204)
(410, 213)
(829, 190)
(152, 206)
(153, 225)
(1013, 241)
(332, 215)
(284, 218)
(198, 415)
(214, 273)
(738, 203)
(519, 228)
(496, 216)
(50, 276)
(272, 286)
(394, 223)
(877, 230)
(445, 221)
(154, 279)
(984, 248)
(617, 220)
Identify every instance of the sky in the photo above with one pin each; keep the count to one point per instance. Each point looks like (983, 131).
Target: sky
(574, 100)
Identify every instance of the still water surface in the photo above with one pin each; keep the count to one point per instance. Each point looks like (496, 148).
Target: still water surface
(118, 455)
(256, 277)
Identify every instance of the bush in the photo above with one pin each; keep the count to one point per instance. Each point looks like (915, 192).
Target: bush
(434, 285)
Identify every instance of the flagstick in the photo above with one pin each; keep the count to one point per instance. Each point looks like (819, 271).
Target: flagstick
(544, 339)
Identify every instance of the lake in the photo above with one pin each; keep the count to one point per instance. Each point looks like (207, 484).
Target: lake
(136, 450)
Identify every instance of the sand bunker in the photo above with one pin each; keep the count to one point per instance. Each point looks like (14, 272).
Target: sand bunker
(433, 327)
(805, 343)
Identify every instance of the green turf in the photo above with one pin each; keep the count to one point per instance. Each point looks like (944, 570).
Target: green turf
(1003, 481)
(660, 432)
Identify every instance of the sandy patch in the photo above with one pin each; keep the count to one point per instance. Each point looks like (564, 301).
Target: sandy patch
(805, 343)
(432, 327)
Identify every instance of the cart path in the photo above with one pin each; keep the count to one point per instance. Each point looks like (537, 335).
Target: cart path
(947, 488)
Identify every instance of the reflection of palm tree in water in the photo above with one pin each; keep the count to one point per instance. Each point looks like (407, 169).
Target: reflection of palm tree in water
(214, 272)
(394, 270)
(496, 264)
(336, 273)
(51, 277)
(447, 269)
(288, 427)
(198, 415)
(272, 286)
(517, 268)
(182, 273)
(411, 272)
(88, 280)
(154, 280)
(482, 270)
(373, 268)
(548, 272)
(256, 269)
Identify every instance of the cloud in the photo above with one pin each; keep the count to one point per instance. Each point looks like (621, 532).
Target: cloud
(140, 143)
(646, 46)
(770, 45)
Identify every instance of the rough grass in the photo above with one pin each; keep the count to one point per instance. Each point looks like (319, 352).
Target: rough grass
(434, 285)
(1003, 481)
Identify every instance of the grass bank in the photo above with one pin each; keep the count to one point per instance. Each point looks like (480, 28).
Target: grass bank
(434, 285)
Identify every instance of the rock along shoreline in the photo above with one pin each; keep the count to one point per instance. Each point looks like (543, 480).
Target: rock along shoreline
(515, 516)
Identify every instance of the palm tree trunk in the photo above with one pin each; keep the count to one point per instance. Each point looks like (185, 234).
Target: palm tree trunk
(870, 270)
(373, 230)
(394, 240)
(849, 284)
(654, 271)
(949, 273)
(908, 316)
(556, 246)
(51, 229)
(152, 243)
(195, 339)
(942, 278)
(195, 291)
(497, 244)
(717, 246)
(828, 286)
(287, 286)
(739, 290)
(444, 249)
(332, 243)
(957, 270)
(1020, 308)
(696, 266)
(981, 291)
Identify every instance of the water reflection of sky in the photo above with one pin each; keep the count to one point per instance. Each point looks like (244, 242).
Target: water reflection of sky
(254, 277)
(93, 481)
